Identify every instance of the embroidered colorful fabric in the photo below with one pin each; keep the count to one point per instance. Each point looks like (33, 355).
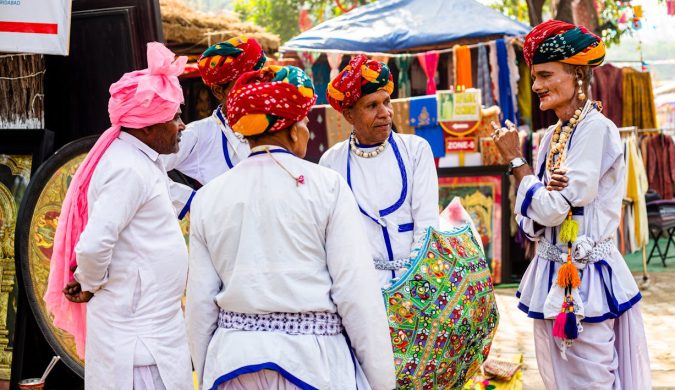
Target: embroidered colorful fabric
(270, 99)
(442, 312)
(554, 40)
(226, 61)
(361, 77)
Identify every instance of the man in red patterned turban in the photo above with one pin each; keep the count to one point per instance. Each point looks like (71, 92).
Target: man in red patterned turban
(588, 328)
(209, 147)
(277, 250)
(392, 176)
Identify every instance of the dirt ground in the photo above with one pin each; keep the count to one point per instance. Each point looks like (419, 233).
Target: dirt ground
(514, 334)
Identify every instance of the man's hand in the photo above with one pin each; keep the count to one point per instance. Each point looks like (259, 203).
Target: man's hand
(73, 292)
(507, 141)
(558, 180)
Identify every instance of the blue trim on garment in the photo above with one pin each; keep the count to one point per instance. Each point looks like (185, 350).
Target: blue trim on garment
(259, 367)
(390, 209)
(226, 153)
(351, 353)
(186, 208)
(271, 151)
(406, 227)
(542, 168)
(404, 179)
(616, 309)
(528, 197)
(579, 211)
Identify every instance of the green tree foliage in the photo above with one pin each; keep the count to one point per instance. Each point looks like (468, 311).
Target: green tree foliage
(281, 16)
(605, 22)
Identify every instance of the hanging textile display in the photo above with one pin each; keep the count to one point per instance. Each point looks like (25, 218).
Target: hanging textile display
(525, 95)
(334, 61)
(308, 58)
(636, 188)
(607, 86)
(402, 116)
(514, 77)
(638, 100)
(403, 65)
(321, 78)
(429, 62)
(484, 82)
(494, 70)
(337, 127)
(462, 61)
(442, 312)
(424, 118)
(317, 133)
(505, 92)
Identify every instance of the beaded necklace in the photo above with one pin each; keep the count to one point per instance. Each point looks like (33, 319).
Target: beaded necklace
(353, 141)
(561, 137)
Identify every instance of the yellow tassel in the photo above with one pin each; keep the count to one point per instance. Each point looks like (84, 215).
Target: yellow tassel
(569, 230)
(568, 276)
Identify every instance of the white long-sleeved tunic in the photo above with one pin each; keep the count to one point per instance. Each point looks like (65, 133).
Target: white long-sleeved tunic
(133, 256)
(261, 244)
(397, 192)
(595, 190)
(208, 148)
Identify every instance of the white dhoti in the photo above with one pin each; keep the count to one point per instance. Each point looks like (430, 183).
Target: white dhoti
(261, 380)
(611, 354)
(147, 378)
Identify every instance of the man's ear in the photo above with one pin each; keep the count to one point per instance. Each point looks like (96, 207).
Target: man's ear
(293, 133)
(218, 91)
(347, 113)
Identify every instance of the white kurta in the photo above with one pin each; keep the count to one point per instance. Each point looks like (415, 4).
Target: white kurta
(208, 147)
(596, 173)
(271, 246)
(133, 256)
(398, 188)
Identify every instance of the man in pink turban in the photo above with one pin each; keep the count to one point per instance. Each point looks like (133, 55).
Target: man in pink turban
(119, 233)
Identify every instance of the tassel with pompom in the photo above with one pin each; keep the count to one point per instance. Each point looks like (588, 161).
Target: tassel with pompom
(571, 329)
(568, 275)
(559, 324)
(569, 230)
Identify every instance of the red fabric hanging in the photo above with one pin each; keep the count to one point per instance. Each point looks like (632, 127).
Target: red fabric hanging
(429, 62)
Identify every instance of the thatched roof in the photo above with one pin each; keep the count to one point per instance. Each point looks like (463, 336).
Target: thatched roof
(188, 31)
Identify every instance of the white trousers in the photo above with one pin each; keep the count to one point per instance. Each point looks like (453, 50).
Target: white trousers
(261, 380)
(608, 355)
(147, 378)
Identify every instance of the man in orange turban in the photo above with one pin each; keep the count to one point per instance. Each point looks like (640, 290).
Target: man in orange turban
(393, 176)
(588, 330)
(209, 147)
(279, 262)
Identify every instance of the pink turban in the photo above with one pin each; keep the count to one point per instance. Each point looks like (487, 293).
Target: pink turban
(139, 99)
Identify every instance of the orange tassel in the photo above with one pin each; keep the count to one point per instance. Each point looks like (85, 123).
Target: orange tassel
(568, 276)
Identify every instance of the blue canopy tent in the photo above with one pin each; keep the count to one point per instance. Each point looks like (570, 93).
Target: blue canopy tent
(404, 25)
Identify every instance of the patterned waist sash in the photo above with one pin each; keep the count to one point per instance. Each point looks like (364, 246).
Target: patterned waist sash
(391, 265)
(584, 251)
(311, 323)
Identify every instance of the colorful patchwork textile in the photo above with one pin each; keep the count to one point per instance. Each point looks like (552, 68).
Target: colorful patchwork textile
(226, 61)
(554, 40)
(442, 313)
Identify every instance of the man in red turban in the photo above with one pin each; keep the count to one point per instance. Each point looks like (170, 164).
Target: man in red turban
(588, 328)
(279, 262)
(209, 146)
(393, 176)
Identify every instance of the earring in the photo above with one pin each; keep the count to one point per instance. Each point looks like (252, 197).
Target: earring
(580, 94)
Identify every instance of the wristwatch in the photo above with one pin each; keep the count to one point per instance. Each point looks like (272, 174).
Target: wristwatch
(515, 163)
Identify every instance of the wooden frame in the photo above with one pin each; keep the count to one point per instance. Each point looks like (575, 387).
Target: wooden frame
(495, 174)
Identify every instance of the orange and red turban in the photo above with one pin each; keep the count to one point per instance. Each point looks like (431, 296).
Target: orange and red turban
(554, 40)
(361, 77)
(270, 99)
(226, 61)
